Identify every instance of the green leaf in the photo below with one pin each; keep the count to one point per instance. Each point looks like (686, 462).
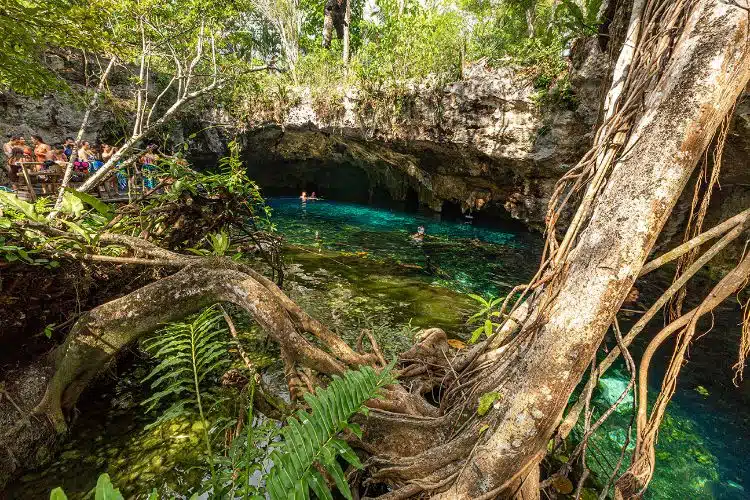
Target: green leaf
(344, 450)
(334, 469)
(57, 494)
(486, 401)
(105, 490)
(476, 334)
(72, 205)
(488, 328)
(78, 229)
(48, 330)
(12, 201)
(479, 299)
(319, 485)
(355, 429)
(98, 205)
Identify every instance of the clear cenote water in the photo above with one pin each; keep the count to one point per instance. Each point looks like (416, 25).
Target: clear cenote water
(354, 266)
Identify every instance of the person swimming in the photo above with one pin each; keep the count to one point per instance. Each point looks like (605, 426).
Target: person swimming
(313, 197)
(419, 235)
(303, 196)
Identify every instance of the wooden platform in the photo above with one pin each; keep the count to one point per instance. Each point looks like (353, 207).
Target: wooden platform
(32, 184)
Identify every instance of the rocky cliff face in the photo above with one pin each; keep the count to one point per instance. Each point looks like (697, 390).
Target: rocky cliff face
(482, 142)
(59, 114)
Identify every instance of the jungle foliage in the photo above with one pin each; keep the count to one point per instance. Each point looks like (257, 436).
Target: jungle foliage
(308, 443)
(394, 50)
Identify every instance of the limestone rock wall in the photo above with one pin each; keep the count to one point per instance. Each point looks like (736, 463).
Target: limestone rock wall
(479, 142)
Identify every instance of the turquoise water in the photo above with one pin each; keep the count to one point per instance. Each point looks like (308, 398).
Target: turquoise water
(462, 256)
(703, 448)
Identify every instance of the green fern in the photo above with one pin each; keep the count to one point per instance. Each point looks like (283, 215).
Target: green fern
(188, 352)
(311, 438)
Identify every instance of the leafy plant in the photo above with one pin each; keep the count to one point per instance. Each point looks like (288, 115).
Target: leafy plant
(104, 490)
(245, 459)
(486, 315)
(219, 242)
(188, 352)
(310, 439)
(102, 208)
(580, 20)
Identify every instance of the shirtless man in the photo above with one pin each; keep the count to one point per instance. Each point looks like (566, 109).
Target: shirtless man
(41, 148)
(8, 146)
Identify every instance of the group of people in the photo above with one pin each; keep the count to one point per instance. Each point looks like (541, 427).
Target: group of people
(38, 156)
(304, 196)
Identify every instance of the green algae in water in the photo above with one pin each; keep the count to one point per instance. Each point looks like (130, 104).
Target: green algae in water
(110, 436)
(465, 257)
(685, 465)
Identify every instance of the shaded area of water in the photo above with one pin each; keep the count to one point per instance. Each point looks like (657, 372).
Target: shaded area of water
(355, 267)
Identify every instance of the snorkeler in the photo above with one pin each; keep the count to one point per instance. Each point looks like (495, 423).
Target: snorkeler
(419, 235)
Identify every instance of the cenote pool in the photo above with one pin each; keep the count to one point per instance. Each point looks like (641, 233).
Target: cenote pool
(354, 266)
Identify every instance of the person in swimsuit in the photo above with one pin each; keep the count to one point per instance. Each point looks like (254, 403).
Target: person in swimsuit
(8, 146)
(41, 148)
(419, 235)
(303, 196)
(13, 166)
(148, 165)
(68, 147)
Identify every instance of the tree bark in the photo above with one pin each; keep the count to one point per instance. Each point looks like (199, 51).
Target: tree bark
(347, 32)
(84, 123)
(417, 446)
(708, 70)
(333, 20)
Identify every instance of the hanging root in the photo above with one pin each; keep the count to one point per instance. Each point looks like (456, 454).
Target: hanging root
(744, 350)
(704, 187)
(638, 475)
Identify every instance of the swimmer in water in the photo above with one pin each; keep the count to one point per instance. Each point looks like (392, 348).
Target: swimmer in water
(419, 235)
(303, 196)
(313, 197)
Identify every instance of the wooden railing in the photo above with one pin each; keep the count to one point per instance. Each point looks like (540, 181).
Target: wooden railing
(33, 183)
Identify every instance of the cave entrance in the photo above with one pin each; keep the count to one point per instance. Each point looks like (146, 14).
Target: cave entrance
(451, 211)
(411, 202)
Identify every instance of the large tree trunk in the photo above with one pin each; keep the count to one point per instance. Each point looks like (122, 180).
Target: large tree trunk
(347, 31)
(709, 68)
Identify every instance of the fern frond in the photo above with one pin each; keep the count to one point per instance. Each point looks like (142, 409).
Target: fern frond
(188, 352)
(310, 438)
